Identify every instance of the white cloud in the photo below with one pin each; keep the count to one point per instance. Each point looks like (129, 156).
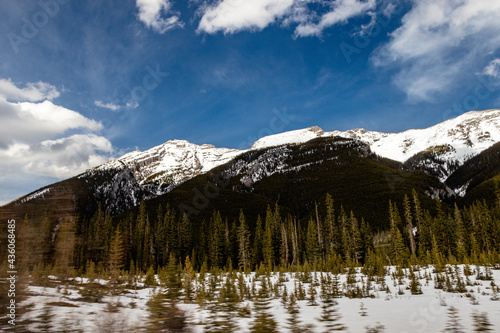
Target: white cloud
(60, 158)
(34, 139)
(33, 92)
(150, 13)
(230, 16)
(342, 11)
(493, 68)
(110, 106)
(26, 121)
(439, 41)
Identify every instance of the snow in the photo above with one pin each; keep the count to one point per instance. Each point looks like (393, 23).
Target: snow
(35, 195)
(398, 313)
(468, 135)
(172, 162)
(291, 137)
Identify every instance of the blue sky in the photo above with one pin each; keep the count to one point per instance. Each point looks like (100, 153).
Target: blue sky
(84, 81)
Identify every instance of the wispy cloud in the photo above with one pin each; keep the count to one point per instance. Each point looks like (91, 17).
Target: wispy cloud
(110, 106)
(151, 11)
(438, 41)
(341, 12)
(232, 16)
(493, 68)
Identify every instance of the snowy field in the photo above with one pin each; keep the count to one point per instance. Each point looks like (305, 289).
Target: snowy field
(396, 309)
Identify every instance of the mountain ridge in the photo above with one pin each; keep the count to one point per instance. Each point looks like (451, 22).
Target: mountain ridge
(438, 150)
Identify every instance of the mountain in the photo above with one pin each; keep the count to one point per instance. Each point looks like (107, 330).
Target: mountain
(478, 177)
(123, 183)
(297, 177)
(439, 149)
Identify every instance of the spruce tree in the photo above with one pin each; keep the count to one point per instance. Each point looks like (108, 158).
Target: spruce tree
(330, 316)
(312, 246)
(244, 255)
(263, 321)
(481, 322)
(258, 243)
(117, 252)
(453, 325)
(293, 321)
(409, 224)
(267, 243)
(165, 316)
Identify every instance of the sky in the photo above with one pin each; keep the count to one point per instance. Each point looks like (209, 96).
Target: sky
(82, 82)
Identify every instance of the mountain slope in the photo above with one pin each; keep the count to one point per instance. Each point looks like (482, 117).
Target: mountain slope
(297, 177)
(448, 144)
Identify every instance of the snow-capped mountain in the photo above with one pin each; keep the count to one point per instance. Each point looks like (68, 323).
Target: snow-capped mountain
(170, 164)
(451, 142)
(124, 182)
(467, 134)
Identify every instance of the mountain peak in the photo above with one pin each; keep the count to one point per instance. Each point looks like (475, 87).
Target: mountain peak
(295, 137)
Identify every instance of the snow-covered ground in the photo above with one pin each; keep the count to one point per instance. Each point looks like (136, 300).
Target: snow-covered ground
(398, 310)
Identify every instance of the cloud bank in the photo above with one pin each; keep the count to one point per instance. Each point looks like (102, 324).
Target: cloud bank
(34, 134)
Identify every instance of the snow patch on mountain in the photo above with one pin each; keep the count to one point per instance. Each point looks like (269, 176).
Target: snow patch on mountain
(464, 136)
(468, 135)
(291, 137)
(171, 163)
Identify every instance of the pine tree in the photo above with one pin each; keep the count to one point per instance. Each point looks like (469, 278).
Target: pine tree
(409, 224)
(264, 321)
(258, 243)
(117, 252)
(293, 319)
(188, 278)
(64, 249)
(398, 248)
(453, 325)
(355, 238)
(312, 246)
(165, 316)
(267, 242)
(173, 280)
(244, 255)
(481, 322)
(330, 315)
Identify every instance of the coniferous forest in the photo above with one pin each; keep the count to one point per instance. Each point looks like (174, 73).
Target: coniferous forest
(238, 268)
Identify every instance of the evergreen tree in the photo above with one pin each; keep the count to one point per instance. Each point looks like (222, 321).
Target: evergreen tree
(173, 280)
(330, 316)
(117, 252)
(293, 311)
(263, 321)
(312, 246)
(355, 244)
(244, 254)
(453, 325)
(481, 322)
(409, 224)
(165, 316)
(258, 243)
(267, 242)
(64, 249)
